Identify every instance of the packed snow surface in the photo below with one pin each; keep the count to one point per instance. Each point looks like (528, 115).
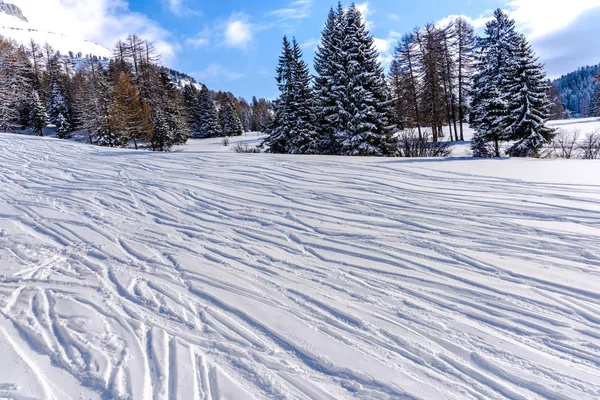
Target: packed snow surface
(211, 275)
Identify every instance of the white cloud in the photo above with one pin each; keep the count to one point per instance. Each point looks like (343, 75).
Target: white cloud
(100, 21)
(386, 47)
(217, 72)
(541, 17)
(297, 9)
(176, 6)
(238, 31)
(478, 23)
(311, 44)
(202, 39)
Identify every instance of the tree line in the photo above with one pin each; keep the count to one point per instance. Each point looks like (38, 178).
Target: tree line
(440, 78)
(124, 101)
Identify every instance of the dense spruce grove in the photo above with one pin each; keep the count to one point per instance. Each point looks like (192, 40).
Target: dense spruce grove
(440, 78)
(129, 100)
(577, 91)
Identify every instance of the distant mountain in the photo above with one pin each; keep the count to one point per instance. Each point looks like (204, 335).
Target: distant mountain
(12, 10)
(14, 25)
(577, 89)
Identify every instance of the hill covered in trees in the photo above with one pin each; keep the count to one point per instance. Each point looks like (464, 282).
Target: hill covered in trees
(577, 89)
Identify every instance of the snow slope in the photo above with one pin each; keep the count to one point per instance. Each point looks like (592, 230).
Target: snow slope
(22, 32)
(211, 275)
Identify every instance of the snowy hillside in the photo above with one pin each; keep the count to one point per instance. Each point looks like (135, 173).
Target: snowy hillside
(209, 275)
(22, 32)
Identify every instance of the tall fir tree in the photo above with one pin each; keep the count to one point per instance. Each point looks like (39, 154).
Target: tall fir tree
(368, 130)
(231, 121)
(209, 116)
(596, 97)
(293, 131)
(303, 137)
(278, 140)
(527, 103)
(488, 109)
(58, 111)
(353, 103)
(329, 82)
(38, 117)
(15, 85)
(191, 96)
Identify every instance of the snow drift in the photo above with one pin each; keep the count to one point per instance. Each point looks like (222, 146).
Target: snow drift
(207, 275)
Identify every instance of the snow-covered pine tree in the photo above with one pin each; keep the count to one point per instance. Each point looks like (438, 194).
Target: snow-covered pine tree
(232, 123)
(278, 140)
(364, 126)
(596, 97)
(191, 96)
(293, 131)
(209, 116)
(527, 103)
(15, 85)
(496, 50)
(329, 84)
(164, 134)
(58, 111)
(37, 118)
(303, 136)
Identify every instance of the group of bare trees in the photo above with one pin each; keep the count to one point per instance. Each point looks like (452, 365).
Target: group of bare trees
(430, 78)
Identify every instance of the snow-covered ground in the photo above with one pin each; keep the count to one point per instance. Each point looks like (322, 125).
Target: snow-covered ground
(211, 275)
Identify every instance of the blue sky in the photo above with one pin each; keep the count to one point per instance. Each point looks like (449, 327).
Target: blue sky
(233, 45)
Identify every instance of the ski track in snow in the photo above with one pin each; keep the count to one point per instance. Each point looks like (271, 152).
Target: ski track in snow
(223, 276)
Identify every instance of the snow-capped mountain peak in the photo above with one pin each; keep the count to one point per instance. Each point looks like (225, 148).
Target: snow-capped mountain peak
(12, 10)
(15, 25)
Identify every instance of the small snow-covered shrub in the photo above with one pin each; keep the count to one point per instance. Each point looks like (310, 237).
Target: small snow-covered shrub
(240, 148)
(565, 145)
(411, 145)
(590, 146)
(225, 141)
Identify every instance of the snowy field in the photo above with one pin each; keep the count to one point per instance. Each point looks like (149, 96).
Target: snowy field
(211, 275)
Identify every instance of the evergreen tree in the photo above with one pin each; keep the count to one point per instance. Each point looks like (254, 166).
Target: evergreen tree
(15, 85)
(596, 97)
(329, 82)
(58, 111)
(527, 103)
(293, 130)
(368, 130)
(38, 118)
(577, 89)
(232, 124)
(279, 133)
(496, 50)
(209, 116)
(352, 98)
(191, 96)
